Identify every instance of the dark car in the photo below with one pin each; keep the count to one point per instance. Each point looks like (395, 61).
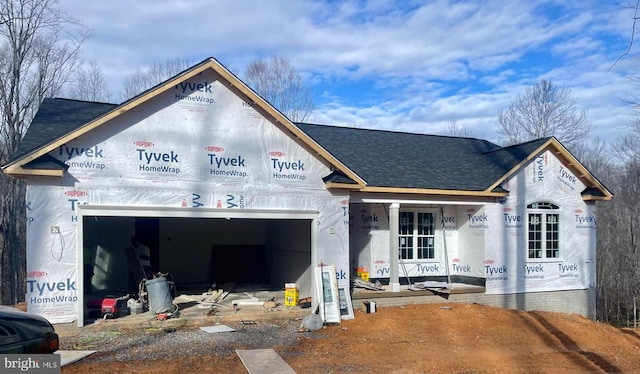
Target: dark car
(22, 332)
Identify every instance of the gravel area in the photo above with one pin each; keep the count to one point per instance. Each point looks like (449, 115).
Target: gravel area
(168, 343)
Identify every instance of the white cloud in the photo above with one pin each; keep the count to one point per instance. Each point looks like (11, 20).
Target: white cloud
(425, 64)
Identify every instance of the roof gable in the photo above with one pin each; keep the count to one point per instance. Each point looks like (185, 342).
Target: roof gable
(52, 129)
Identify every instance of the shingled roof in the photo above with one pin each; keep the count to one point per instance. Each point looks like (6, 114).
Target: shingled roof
(407, 160)
(58, 117)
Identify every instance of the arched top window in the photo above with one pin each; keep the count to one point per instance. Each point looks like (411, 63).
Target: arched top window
(543, 205)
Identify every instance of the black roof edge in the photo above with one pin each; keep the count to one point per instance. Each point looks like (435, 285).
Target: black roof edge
(592, 191)
(519, 145)
(389, 131)
(337, 176)
(46, 162)
(499, 189)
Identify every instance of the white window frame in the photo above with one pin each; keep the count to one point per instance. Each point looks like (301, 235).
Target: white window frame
(414, 237)
(546, 211)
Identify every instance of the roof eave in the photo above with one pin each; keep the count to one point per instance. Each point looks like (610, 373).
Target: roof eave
(20, 172)
(425, 191)
(343, 186)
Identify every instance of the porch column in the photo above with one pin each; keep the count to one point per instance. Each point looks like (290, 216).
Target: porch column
(394, 217)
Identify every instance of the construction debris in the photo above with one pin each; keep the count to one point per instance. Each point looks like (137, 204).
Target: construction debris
(359, 283)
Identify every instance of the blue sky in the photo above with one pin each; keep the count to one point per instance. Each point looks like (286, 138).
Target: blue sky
(412, 66)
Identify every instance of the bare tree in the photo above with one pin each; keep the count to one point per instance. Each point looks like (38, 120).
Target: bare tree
(544, 110)
(595, 155)
(143, 79)
(38, 53)
(278, 82)
(89, 84)
(454, 130)
(627, 146)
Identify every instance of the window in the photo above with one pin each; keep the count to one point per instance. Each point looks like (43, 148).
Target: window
(417, 235)
(543, 223)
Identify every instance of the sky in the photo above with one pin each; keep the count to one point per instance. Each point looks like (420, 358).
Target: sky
(415, 66)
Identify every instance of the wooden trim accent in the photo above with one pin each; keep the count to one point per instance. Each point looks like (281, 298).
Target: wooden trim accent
(348, 186)
(20, 172)
(423, 191)
(596, 198)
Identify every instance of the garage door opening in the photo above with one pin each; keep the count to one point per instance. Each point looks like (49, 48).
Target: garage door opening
(201, 250)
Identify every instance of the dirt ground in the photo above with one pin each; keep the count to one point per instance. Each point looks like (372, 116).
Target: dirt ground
(431, 338)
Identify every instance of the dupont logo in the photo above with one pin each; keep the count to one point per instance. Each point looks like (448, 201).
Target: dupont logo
(488, 262)
(213, 148)
(76, 193)
(471, 210)
(455, 260)
(143, 143)
(277, 154)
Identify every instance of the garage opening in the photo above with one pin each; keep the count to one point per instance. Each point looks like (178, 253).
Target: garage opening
(253, 250)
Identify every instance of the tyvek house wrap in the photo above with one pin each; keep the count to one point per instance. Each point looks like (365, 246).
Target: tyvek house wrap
(196, 146)
(490, 241)
(508, 270)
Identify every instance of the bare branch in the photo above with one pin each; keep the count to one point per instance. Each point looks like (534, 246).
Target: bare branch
(633, 34)
(278, 82)
(143, 79)
(544, 110)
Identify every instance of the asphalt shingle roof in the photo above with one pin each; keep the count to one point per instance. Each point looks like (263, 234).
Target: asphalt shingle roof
(407, 160)
(57, 117)
(381, 158)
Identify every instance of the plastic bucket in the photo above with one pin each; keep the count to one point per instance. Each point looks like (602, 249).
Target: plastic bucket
(159, 293)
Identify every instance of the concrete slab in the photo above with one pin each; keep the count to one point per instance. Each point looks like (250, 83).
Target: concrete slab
(264, 361)
(217, 328)
(69, 357)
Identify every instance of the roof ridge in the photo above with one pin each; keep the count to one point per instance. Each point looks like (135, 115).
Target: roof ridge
(504, 148)
(390, 131)
(80, 100)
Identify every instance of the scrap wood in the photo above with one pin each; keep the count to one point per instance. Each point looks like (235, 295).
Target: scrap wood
(222, 296)
(366, 285)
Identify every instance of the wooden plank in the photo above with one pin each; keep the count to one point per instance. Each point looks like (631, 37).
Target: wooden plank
(263, 361)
